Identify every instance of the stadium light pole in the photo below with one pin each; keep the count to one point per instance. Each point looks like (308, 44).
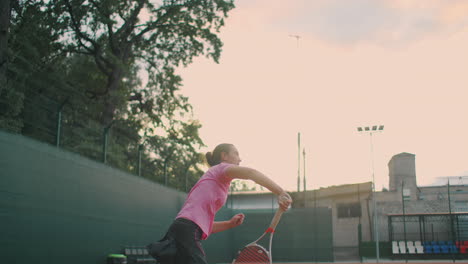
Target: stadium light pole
(297, 37)
(304, 164)
(298, 162)
(370, 131)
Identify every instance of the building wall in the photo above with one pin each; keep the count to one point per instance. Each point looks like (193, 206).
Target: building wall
(402, 171)
(345, 229)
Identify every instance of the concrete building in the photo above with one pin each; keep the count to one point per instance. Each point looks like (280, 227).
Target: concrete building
(418, 200)
(352, 205)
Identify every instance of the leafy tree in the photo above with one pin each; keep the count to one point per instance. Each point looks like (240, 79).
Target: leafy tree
(85, 59)
(123, 36)
(34, 51)
(165, 150)
(5, 12)
(118, 34)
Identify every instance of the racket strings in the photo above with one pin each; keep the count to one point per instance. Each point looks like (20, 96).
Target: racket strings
(253, 255)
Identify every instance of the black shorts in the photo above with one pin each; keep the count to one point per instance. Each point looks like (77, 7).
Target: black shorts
(187, 235)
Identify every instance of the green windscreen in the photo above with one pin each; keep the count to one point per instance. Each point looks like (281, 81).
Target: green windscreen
(57, 207)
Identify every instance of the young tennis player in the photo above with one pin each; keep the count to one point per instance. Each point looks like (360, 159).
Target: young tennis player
(195, 221)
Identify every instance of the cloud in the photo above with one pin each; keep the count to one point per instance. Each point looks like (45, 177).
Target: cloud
(455, 13)
(383, 22)
(346, 21)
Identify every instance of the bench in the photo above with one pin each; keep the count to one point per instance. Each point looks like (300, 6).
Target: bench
(138, 255)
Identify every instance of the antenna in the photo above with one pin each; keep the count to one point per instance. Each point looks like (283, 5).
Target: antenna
(297, 37)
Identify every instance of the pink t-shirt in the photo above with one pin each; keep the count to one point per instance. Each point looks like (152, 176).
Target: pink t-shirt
(207, 196)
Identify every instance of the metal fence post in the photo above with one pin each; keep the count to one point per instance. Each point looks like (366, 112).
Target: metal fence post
(452, 222)
(104, 145)
(186, 179)
(140, 149)
(59, 122)
(165, 172)
(315, 225)
(359, 241)
(450, 211)
(404, 214)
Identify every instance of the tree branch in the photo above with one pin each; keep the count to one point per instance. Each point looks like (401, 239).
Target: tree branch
(76, 27)
(108, 24)
(102, 65)
(129, 24)
(96, 50)
(156, 24)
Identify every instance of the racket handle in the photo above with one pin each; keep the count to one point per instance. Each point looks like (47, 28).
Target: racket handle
(275, 220)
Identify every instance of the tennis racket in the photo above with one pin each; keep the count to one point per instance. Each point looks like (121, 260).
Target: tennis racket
(254, 253)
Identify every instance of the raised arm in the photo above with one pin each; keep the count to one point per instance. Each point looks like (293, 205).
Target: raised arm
(239, 172)
(245, 173)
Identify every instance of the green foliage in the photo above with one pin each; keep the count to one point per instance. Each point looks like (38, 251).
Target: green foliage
(33, 50)
(86, 74)
(121, 34)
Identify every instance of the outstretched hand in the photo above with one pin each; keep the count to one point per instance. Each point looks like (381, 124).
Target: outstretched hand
(284, 201)
(237, 220)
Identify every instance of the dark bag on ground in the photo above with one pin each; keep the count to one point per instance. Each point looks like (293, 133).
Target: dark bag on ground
(163, 251)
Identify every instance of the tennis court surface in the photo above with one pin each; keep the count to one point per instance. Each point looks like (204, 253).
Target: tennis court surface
(375, 262)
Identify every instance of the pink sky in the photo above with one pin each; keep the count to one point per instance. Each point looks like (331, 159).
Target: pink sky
(401, 64)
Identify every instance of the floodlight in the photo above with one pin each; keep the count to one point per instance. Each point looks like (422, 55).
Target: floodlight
(371, 130)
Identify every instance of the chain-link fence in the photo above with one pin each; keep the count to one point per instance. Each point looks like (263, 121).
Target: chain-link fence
(433, 223)
(438, 214)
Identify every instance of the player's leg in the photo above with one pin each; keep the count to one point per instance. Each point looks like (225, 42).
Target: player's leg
(187, 235)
